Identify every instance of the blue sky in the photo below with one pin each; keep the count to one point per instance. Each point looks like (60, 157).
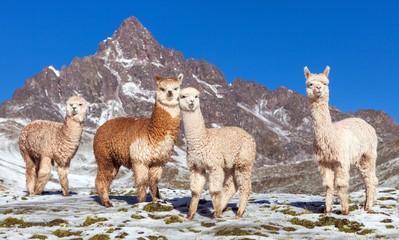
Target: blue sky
(265, 41)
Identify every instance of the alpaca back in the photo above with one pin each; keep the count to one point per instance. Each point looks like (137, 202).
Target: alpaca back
(357, 138)
(114, 137)
(40, 137)
(236, 145)
(123, 138)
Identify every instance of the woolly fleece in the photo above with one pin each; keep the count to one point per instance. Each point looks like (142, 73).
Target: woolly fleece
(227, 154)
(338, 145)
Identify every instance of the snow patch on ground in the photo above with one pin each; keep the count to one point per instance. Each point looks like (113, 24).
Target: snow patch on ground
(268, 216)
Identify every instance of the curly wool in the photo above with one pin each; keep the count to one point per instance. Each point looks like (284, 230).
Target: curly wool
(338, 145)
(45, 143)
(227, 154)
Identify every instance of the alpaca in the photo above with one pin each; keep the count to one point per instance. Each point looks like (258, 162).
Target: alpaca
(45, 143)
(227, 154)
(143, 145)
(338, 145)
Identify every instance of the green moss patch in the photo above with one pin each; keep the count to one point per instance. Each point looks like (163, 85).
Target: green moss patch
(37, 236)
(89, 221)
(137, 216)
(208, 224)
(7, 211)
(157, 207)
(173, 219)
(386, 220)
(12, 222)
(386, 198)
(236, 231)
(122, 210)
(344, 225)
(100, 237)
(66, 233)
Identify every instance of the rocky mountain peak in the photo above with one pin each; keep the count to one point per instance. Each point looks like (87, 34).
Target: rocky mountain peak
(132, 41)
(119, 81)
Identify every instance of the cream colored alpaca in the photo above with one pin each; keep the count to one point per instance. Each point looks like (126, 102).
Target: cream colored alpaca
(45, 143)
(338, 145)
(143, 145)
(227, 154)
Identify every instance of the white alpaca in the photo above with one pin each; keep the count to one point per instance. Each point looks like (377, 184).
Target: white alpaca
(227, 154)
(338, 145)
(45, 143)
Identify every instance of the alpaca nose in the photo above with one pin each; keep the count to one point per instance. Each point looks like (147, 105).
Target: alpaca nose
(170, 94)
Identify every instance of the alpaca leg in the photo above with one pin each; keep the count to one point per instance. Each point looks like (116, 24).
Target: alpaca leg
(140, 172)
(105, 174)
(341, 183)
(216, 177)
(328, 182)
(31, 174)
(155, 174)
(244, 183)
(197, 182)
(43, 175)
(367, 171)
(229, 187)
(63, 176)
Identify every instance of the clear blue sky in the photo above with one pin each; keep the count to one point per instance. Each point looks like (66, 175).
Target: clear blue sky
(265, 41)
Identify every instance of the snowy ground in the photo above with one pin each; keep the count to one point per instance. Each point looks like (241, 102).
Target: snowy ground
(268, 216)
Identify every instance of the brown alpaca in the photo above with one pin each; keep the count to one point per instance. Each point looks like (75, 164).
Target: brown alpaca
(143, 145)
(45, 143)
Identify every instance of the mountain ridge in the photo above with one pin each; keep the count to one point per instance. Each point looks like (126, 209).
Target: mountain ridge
(118, 81)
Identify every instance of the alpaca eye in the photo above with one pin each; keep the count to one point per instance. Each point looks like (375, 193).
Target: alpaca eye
(310, 84)
(80, 104)
(162, 89)
(183, 97)
(176, 89)
(196, 96)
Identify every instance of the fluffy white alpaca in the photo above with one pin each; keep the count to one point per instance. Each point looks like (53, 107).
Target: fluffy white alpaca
(227, 154)
(45, 143)
(338, 145)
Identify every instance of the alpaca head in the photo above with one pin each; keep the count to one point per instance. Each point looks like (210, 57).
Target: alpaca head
(168, 90)
(77, 108)
(189, 99)
(317, 85)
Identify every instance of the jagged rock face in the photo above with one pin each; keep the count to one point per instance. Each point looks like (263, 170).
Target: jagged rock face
(119, 81)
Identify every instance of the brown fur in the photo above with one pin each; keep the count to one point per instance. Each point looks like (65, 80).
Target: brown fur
(143, 145)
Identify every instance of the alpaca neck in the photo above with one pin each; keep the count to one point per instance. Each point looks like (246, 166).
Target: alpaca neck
(322, 124)
(194, 128)
(164, 120)
(71, 130)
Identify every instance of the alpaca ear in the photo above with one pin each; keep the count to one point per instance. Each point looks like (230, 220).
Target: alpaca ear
(307, 72)
(180, 78)
(326, 71)
(157, 77)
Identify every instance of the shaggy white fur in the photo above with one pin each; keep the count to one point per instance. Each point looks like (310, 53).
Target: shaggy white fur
(338, 145)
(227, 154)
(45, 143)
